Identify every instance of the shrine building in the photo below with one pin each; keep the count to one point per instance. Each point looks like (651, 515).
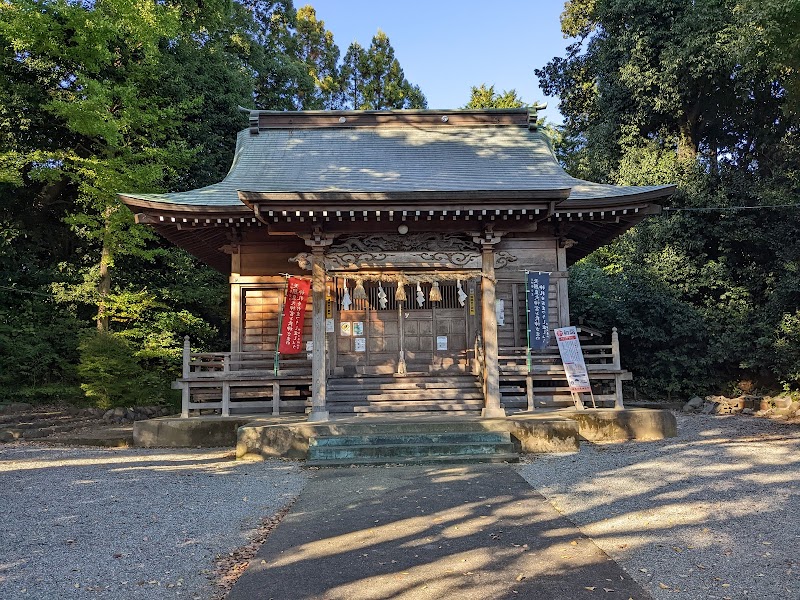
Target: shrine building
(414, 230)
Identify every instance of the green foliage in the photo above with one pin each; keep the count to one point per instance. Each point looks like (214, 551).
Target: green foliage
(372, 79)
(98, 98)
(698, 94)
(666, 342)
(47, 394)
(111, 375)
(485, 97)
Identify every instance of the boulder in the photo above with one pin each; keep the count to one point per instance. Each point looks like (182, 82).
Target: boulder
(696, 402)
(18, 407)
(782, 402)
(710, 408)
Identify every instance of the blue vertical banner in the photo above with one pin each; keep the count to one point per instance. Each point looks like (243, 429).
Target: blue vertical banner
(537, 287)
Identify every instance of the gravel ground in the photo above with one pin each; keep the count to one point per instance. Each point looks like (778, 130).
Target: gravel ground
(710, 514)
(128, 524)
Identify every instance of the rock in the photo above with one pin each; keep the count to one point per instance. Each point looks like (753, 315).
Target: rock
(710, 408)
(782, 402)
(688, 408)
(6, 436)
(108, 415)
(34, 433)
(18, 407)
(119, 413)
(695, 402)
(747, 411)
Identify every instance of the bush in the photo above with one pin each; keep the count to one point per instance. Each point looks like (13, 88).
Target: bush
(111, 375)
(54, 393)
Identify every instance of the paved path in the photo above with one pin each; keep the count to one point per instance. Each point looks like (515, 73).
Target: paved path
(469, 532)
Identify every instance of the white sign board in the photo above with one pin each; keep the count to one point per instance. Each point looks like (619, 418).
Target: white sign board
(572, 356)
(500, 312)
(441, 342)
(361, 344)
(329, 326)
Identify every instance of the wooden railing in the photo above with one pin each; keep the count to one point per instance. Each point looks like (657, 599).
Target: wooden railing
(544, 382)
(243, 380)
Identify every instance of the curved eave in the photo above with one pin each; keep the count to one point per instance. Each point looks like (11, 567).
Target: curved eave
(618, 201)
(176, 208)
(397, 200)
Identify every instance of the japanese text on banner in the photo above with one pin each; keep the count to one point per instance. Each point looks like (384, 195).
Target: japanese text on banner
(294, 315)
(538, 290)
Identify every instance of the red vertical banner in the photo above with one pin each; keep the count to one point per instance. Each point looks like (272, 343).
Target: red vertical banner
(294, 314)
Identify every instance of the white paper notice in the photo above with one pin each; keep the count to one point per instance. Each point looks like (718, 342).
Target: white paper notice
(361, 344)
(572, 356)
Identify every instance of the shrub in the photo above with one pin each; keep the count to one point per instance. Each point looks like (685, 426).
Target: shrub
(111, 375)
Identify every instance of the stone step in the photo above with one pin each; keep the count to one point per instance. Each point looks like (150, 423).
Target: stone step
(390, 451)
(418, 460)
(456, 437)
(387, 446)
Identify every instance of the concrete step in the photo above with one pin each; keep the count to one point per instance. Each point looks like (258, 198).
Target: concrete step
(444, 437)
(417, 460)
(387, 447)
(390, 451)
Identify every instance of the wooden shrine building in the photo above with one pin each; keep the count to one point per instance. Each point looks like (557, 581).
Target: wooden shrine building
(415, 229)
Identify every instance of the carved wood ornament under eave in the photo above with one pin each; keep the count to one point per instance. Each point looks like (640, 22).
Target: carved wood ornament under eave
(355, 261)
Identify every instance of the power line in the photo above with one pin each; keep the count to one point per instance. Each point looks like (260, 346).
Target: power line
(727, 208)
(12, 289)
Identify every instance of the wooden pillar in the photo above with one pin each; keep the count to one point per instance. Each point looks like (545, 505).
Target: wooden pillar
(491, 377)
(617, 363)
(563, 287)
(319, 370)
(186, 391)
(236, 301)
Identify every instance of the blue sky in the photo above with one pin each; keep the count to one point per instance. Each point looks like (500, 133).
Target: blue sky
(446, 46)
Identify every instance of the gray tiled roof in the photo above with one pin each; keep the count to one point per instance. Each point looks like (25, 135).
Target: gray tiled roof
(389, 159)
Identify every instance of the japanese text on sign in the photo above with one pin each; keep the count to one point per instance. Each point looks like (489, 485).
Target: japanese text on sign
(294, 314)
(538, 290)
(572, 356)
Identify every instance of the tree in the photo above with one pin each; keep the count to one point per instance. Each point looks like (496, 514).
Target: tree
(485, 97)
(321, 55)
(111, 94)
(372, 79)
(664, 91)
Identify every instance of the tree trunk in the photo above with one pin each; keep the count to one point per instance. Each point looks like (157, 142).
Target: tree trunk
(104, 284)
